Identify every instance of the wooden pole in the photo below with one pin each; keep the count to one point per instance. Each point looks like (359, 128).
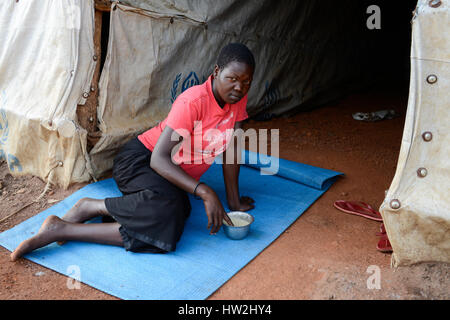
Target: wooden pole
(87, 113)
(103, 5)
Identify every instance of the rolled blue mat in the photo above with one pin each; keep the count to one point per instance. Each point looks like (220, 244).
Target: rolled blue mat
(311, 176)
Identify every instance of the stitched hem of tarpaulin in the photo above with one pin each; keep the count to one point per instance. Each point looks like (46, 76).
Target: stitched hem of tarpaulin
(127, 234)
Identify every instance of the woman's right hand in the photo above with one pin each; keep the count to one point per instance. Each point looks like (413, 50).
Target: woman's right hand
(213, 207)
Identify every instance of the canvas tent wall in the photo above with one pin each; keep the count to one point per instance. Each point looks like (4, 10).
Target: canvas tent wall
(416, 210)
(157, 49)
(45, 65)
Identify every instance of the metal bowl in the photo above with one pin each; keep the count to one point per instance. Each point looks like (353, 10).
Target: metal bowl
(242, 221)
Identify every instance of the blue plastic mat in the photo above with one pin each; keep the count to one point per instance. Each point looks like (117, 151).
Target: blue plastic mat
(202, 262)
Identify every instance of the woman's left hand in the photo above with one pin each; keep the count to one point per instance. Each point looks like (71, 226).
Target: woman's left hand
(245, 204)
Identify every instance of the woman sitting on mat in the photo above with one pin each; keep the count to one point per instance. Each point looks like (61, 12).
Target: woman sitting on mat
(151, 214)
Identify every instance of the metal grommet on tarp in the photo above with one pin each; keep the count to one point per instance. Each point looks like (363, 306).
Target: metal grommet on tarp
(85, 94)
(395, 204)
(432, 78)
(427, 136)
(422, 172)
(434, 3)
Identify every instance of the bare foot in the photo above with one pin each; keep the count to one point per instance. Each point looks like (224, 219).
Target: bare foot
(49, 232)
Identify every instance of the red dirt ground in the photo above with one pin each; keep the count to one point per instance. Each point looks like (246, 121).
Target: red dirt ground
(324, 254)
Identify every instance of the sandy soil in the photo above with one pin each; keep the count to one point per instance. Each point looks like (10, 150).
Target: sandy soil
(325, 254)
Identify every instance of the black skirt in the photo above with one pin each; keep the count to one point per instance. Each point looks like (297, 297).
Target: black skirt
(152, 211)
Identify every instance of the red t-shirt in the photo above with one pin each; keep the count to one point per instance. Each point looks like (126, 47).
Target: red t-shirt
(206, 128)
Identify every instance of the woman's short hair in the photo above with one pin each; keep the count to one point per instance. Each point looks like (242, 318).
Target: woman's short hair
(235, 52)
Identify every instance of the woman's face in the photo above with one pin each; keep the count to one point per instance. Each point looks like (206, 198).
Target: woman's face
(232, 82)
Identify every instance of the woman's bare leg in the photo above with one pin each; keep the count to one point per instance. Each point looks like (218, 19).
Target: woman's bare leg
(55, 229)
(86, 209)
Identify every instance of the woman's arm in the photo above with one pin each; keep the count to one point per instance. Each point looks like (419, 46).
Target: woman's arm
(161, 162)
(231, 178)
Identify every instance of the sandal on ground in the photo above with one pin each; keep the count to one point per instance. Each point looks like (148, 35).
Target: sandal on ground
(384, 245)
(358, 208)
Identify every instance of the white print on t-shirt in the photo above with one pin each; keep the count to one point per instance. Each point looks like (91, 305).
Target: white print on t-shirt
(218, 141)
(225, 120)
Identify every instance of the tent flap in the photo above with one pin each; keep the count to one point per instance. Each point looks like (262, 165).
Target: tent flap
(416, 210)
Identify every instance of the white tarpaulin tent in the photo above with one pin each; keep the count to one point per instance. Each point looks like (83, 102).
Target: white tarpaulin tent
(157, 49)
(45, 65)
(416, 210)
